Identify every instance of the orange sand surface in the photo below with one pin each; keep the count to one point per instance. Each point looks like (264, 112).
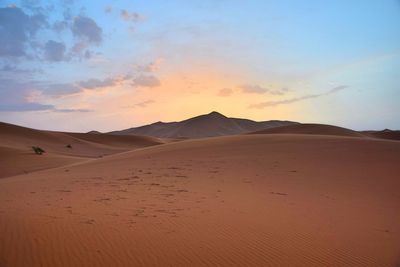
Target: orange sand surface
(250, 200)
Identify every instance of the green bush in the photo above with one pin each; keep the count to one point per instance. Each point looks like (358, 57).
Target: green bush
(38, 150)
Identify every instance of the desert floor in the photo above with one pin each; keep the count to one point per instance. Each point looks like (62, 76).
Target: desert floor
(250, 200)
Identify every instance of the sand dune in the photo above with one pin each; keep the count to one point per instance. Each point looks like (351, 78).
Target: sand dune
(385, 134)
(309, 128)
(122, 141)
(61, 148)
(82, 144)
(16, 161)
(250, 200)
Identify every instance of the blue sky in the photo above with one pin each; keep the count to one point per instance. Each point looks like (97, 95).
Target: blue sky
(105, 65)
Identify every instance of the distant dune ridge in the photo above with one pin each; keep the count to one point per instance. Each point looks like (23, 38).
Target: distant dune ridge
(384, 134)
(60, 148)
(208, 125)
(309, 128)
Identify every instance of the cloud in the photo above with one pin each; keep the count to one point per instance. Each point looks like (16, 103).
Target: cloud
(225, 92)
(17, 31)
(24, 106)
(336, 89)
(69, 110)
(296, 99)
(16, 97)
(79, 47)
(96, 83)
(12, 91)
(87, 30)
(88, 54)
(257, 89)
(66, 89)
(87, 33)
(253, 89)
(150, 67)
(60, 89)
(146, 81)
(54, 51)
(19, 34)
(12, 69)
(33, 106)
(143, 104)
(131, 16)
(60, 26)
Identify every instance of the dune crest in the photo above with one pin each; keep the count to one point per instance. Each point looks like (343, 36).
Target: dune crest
(309, 128)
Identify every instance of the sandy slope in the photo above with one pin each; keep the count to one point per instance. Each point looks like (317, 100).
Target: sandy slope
(121, 141)
(16, 154)
(82, 144)
(253, 200)
(385, 134)
(311, 128)
(15, 161)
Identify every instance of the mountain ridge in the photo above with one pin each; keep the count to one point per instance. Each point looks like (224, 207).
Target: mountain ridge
(202, 126)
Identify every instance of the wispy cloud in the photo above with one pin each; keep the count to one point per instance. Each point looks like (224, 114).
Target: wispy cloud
(296, 99)
(225, 92)
(257, 89)
(143, 104)
(66, 89)
(59, 89)
(34, 106)
(70, 110)
(96, 83)
(16, 97)
(146, 81)
(24, 107)
(152, 66)
(131, 16)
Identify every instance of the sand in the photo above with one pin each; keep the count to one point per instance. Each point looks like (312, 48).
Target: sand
(311, 128)
(60, 148)
(250, 200)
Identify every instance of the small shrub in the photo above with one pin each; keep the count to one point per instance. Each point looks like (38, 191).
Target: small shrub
(38, 150)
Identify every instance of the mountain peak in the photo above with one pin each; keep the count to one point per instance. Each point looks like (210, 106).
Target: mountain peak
(216, 114)
(94, 132)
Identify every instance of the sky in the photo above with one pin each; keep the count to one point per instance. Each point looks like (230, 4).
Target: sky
(106, 65)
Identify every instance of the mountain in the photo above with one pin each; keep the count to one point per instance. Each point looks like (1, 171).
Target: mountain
(208, 125)
(93, 132)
